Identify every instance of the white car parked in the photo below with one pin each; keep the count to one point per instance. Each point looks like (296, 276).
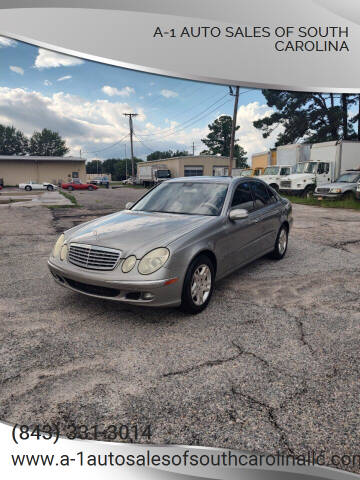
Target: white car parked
(37, 186)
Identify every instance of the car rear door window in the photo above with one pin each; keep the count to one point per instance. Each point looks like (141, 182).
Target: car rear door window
(242, 197)
(261, 195)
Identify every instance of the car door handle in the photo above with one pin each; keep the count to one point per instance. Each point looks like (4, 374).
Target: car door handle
(256, 220)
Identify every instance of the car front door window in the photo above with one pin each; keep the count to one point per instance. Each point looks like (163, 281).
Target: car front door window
(242, 197)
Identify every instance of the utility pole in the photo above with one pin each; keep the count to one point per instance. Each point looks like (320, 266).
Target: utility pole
(193, 149)
(233, 128)
(131, 115)
(126, 171)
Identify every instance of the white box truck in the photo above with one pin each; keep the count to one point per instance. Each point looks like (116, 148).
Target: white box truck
(327, 160)
(152, 174)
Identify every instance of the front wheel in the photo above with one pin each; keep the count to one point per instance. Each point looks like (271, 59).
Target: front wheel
(28, 188)
(70, 188)
(90, 187)
(281, 244)
(49, 188)
(198, 285)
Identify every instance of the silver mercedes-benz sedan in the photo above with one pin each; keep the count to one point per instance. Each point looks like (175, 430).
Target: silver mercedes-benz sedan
(169, 247)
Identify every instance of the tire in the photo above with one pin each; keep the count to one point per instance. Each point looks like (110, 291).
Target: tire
(195, 300)
(90, 187)
(70, 188)
(281, 244)
(308, 192)
(28, 188)
(49, 188)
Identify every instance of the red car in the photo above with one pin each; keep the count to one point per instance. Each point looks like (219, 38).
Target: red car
(77, 185)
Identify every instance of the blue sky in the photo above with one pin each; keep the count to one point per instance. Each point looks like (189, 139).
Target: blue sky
(84, 101)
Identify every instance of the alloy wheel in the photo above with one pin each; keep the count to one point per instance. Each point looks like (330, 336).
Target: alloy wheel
(201, 284)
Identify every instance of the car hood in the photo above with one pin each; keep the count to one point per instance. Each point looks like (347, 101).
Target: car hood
(136, 232)
(342, 185)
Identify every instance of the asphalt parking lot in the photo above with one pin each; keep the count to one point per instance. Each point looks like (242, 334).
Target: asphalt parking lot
(272, 364)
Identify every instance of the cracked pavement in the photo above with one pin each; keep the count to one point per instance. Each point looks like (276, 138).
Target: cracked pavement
(271, 365)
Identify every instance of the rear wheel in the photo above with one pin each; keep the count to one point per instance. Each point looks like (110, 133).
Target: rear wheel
(198, 285)
(49, 188)
(90, 187)
(70, 187)
(281, 244)
(28, 188)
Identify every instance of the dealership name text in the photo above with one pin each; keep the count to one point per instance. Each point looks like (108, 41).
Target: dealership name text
(286, 38)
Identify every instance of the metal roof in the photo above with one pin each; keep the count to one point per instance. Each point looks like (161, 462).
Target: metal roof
(41, 159)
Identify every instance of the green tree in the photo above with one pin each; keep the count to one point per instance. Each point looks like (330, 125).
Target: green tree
(94, 166)
(241, 157)
(308, 117)
(219, 138)
(12, 141)
(158, 155)
(47, 143)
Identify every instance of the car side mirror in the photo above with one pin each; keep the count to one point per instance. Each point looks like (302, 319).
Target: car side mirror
(129, 205)
(238, 214)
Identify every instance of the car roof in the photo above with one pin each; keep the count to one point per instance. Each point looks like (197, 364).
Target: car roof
(209, 179)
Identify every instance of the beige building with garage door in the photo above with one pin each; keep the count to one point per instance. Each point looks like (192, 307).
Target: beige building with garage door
(18, 169)
(199, 165)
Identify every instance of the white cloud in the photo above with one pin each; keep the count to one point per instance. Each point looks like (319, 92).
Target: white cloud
(249, 137)
(66, 77)
(168, 93)
(49, 59)
(91, 125)
(7, 42)
(47, 83)
(113, 91)
(16, 69)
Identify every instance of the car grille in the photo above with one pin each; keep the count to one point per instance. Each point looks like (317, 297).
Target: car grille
(285, 184)
(322, 190)
(93, 257)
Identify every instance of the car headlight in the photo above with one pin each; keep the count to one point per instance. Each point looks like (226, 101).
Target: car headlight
(335, 190)
(153, 260)
(63, 252)
(58, 245)
(128, 264)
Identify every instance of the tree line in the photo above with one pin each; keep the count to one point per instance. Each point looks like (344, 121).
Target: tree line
(310, 117)
(44, 143)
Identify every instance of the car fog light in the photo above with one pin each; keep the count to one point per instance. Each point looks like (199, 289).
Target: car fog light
(147, 296)
(63, 252)
(335, 190)
(128, 264)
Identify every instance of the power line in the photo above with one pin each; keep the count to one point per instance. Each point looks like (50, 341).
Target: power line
(106, 148)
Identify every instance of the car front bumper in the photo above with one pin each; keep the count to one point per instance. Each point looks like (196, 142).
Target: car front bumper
(151, 293)
(329, 196)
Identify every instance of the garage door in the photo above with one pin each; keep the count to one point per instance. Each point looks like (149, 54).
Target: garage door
(193, 171)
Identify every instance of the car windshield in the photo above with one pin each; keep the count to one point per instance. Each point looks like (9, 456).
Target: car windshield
(349, 178)
(271, 170)
(285, 171)
(191, 198)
